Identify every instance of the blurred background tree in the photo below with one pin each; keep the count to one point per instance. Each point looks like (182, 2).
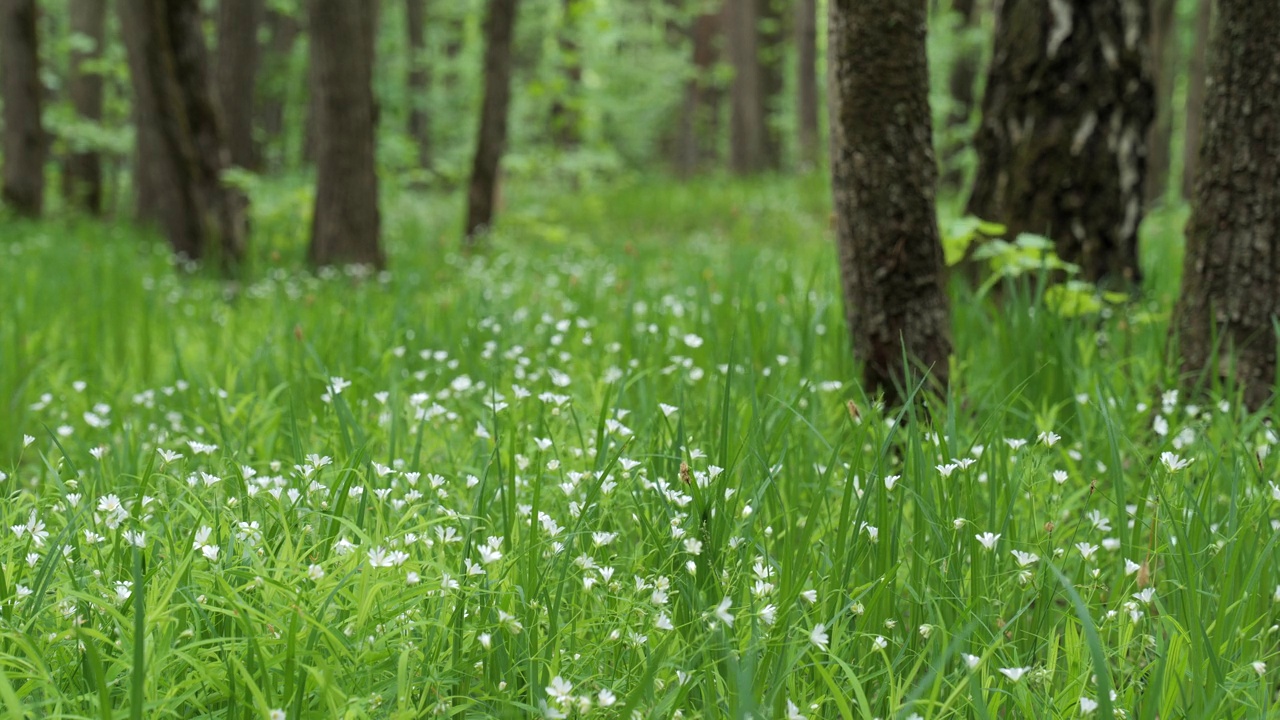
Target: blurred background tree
(1061, 124)
(599, 88)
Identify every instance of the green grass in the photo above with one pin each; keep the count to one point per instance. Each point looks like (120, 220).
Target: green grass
(516, 425)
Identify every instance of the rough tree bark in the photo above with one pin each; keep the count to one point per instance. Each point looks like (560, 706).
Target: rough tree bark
(1163, 51)
(746, 116)
(1062, 145)
(24, 144)
(807, 81)
(237, 68)
(82, 179)
(696, 143)
(185, 153)
(346, 224)
(566, 109)
(1231, 282)
(491, 142)
(884, 181)
(418, 82)
(1197, 71)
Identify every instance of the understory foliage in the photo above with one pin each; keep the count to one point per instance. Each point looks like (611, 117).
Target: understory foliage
(614, 468)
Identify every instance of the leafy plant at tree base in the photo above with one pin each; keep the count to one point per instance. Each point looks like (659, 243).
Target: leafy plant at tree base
(1028, 256)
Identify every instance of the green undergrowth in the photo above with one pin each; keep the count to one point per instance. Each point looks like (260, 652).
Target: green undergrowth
(615, 465)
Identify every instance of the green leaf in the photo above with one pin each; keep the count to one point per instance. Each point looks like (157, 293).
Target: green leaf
(1101, 672)
(993, 249)
(1073, 299)
(1031, 241)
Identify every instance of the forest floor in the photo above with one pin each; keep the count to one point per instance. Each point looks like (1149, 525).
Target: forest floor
(615, 464)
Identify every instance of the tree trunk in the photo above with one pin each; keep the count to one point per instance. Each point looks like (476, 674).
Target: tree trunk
(282, 33)
(455, 27)
(346, 225)
(884, 180)
(148, 162)
(965, 71)
(746, 121)
(1229, 287)
(1163, 51)
(237, 68)
(696, 143)
(24, 142)
(807, 81)
(310, 131)
(566, 109)
(82, 181)
(150, 159)
(1197, 71)
(960, 82)
(499, 28)
(1062, 146)
(771, 40)
(419, 81)
(310, 137)
(185, 155)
